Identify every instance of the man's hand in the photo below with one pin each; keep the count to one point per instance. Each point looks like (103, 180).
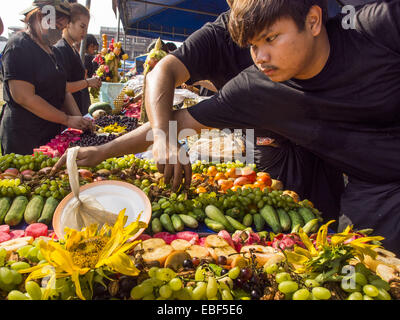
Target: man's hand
(173, 161)
(86, 157)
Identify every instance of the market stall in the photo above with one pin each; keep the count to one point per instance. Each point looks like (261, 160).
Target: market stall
(117, 230)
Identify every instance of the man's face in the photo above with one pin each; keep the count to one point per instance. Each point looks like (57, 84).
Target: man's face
(282, 52)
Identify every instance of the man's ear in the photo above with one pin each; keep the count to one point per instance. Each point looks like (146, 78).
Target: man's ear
(314, 21)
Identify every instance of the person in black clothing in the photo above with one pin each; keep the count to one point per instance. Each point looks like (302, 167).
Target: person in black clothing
(37, 103)
(334, 91)
(92, 46)
(70, 58)
(210, 54)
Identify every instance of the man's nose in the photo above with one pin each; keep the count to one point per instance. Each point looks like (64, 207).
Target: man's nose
(262, 56)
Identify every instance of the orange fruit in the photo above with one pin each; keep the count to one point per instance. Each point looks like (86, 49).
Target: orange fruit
(212, 171)
(219, 176)
(231, 173)
(201, 190)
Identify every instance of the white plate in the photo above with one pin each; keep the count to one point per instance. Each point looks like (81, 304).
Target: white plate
(114, 196)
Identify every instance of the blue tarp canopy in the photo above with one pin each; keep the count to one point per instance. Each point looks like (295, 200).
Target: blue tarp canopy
(175, 20)
(172, 20)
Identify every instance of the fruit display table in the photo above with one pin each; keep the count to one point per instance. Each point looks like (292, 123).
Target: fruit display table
(236, 234)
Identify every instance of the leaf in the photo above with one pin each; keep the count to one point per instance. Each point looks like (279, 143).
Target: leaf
(296, 258)
(307, 242)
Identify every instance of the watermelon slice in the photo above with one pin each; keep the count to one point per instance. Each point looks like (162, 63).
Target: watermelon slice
(5, 228)
(143, 237)
(4, 237)
(17, 234)
(166, 236)
(36, 230)
(190, 236)
(202, 241)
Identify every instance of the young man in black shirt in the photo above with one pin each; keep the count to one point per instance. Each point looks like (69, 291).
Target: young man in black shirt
(210, 54)
(332, 90)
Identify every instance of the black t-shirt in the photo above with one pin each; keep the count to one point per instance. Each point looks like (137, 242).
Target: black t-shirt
(75, 71)
(348, 114)
(24, 60)
(211, 54)
(90, 66)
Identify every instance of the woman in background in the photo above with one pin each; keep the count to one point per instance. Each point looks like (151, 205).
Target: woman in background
(68, 56)
(37, 103)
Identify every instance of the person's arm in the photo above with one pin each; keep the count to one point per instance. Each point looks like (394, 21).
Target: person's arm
(76, 86)
(70, 107)
(380, 21)
(169, 73)
(136, 141)
(23, 93)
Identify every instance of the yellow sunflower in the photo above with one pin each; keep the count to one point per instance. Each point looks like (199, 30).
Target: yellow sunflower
(85, 250)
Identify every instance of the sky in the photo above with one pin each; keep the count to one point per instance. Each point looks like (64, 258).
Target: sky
(101, 11)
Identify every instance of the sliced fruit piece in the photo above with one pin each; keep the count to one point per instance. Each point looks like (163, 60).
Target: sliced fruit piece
(15, 244)
(384, 252)
(175, 260)
(275, 259)
(154, 250)
(226, 251)
(180, 244)
(262, 253)
(386, 273)
(239, 261)
(166, 236)
(214, 241)
(198, 251)
(227, 237)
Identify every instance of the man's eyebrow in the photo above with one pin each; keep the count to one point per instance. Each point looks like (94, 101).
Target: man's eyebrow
(263, 34)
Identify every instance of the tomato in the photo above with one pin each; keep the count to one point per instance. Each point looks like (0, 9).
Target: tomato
(249, 173)
(212, 171)
(241, 181)
(265, 179)
(225, 184)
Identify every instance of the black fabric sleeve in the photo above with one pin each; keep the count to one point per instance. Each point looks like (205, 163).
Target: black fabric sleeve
(63, 59)
(229, 108)
(381, 22)
(199, 53)
(17, 65)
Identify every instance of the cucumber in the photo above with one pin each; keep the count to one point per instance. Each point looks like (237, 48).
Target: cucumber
(177, 223)
(167, 223)
(214, 225)
(296, 218)
(5, 204)
(310, 226)
(248, 220)
(100, 106)
(236, 224)
(284, 219)
(48, 211)
(156, 225)
(34, 209)
(306, 214)
(156, 214)
(295, 229)
(271, 218)
(259, 222)
(215, 214)
(199, 213)
(189, 221)
(16, 213)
